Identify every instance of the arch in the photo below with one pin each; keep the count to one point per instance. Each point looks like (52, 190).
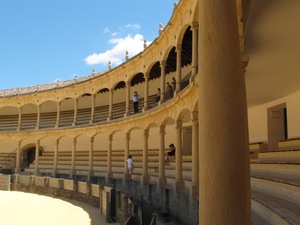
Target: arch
(184, 115)
(28, 155)
(9, 118)
(186, 44)
(48, 114)
(154, 71)
(84, 101)
(28, 116)
(169, 57)
(137, 79)
(8, 110)
(119, 85)
(67, 110)
(84, 108)
(83, 142)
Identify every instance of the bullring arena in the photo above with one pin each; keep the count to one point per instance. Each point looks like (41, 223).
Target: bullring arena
(46, 210)
(234, 119)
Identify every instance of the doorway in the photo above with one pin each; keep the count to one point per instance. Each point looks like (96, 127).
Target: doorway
(29, 156)
(277, 125)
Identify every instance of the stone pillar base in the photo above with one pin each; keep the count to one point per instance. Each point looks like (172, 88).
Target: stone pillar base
(108, 176)
(162, 181)
(125, 178)
(145, 179)
(17, 170)
(194, 190)
(179, 186)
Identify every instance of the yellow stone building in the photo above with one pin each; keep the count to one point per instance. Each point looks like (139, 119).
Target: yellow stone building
(237, 82)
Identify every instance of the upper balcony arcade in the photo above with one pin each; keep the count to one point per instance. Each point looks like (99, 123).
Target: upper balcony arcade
(104, 97)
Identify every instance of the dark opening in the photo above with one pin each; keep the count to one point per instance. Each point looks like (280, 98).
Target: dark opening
(285, 123)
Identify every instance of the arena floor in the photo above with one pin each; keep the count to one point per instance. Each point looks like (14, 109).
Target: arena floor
(19, 208)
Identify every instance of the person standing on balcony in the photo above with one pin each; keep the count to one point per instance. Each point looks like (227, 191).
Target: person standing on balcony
(136, 99)
(169, 90)
(157, 98)
(173, 84)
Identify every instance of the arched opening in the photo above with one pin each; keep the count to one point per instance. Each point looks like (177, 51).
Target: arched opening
(277, 125)
(28, 156)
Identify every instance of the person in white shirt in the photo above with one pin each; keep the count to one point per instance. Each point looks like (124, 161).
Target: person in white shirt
(130, 165)
(136, 99)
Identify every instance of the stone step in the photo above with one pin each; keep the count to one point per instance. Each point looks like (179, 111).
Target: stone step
(275, 210)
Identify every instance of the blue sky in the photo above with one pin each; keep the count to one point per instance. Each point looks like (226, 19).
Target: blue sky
(42, 41)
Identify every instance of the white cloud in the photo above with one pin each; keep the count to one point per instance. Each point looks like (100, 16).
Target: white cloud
(106, 30)
(134, 26)
(116, 55)
(114, 34)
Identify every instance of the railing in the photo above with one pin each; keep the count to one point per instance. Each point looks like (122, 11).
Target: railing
(147, 212)
(48, 120)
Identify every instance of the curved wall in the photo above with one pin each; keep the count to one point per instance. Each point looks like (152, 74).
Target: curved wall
(99, 87)
(34, 114)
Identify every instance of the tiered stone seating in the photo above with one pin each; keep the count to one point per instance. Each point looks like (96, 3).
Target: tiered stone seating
(46, 164)
(118, 110)
(275, 176)
(48, 120)
(66, 118)
(83, 116)
(101, 113)
(8, 122)
(28, 121)
(7, 160)
(153, 160)
(275, 186)
(289, 144)
(64, 161)
(100, 163)
(118, 162)
(170, 170)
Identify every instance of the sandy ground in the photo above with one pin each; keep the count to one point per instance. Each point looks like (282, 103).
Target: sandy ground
(19, 208)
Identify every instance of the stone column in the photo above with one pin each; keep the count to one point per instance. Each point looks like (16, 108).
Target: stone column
(73, 159)
(55, 158)
(38, 119)
(19, 119)
(163, 80)
(195, 27)
(93, 109)
(18, 158)
(127, 109)
(161, 167)
(37, 151)
(146, 92)
(127, 139)
(178, 68)
(223, 132)
(109, 153)
(110, 104)
(195, 155)
(75, 112)
(145, 175)
(179, 185)
(58, 115)
(91, 151)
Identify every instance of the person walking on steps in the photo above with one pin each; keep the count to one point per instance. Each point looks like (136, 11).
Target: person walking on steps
(130, 165)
